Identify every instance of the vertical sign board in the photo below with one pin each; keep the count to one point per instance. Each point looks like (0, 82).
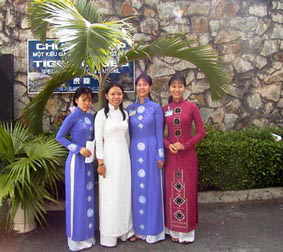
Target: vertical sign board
(43, 58)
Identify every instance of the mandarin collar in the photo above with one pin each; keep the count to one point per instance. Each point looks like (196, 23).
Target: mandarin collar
(146, 100)
(178, 103)
(112, 108)
(79, 110)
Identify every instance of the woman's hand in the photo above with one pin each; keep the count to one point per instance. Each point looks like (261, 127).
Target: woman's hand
(160, 163)
(101, 170)
(179, 146)
(85, 152)
(172, 148)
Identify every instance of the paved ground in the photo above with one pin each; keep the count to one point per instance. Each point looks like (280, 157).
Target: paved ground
(231, 227)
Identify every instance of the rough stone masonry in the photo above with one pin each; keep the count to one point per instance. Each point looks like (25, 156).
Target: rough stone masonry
(247, 34)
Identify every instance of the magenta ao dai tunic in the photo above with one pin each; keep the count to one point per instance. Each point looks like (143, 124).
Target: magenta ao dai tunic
(181, 169)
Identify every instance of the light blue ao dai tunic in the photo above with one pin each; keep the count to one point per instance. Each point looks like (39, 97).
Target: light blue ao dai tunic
(146, 132)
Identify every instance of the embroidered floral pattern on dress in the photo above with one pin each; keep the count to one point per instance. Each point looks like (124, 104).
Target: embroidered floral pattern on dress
(179, 215)
(90, 212)
(178, 132)
(178, 186)
(141, 109)
(176, 121)
(179, 201)
(177, 110)
(141, 173)
(140, 125)
(141, 146)
(142, 199)
(178, 174)
(87, 121)
(89, 185)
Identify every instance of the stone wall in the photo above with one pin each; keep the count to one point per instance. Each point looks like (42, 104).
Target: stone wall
(247, 34)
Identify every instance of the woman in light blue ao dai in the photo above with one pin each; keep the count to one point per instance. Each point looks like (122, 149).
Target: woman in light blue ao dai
(79, 176)
(147, 158)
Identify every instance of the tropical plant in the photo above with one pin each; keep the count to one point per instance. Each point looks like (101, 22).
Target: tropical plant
(29, 170)
(89, 41)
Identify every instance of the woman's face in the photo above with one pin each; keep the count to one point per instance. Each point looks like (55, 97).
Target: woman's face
(115, 96)
(143, 88)
(84, 101)
(177, 89)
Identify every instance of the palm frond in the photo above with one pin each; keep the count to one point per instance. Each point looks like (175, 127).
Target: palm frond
(28, 179)
(6, 144)
(18, 133)
(204, 57)
(6, 189)
(38, 15)
(33, 112)
(87, 9)
(72, 25)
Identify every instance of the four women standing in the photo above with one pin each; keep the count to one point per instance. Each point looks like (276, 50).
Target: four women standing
(131, 191)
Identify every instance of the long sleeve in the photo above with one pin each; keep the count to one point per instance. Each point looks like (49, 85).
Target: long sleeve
(128, 113)
(200, 131)
(166, 141)
(99, 133)
(64, 131)
(128, 131)
(159, 131)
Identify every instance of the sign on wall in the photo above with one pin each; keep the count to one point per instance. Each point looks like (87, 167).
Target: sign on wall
(43, 57)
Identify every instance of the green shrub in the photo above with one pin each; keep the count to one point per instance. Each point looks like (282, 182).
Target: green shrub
(238, 160)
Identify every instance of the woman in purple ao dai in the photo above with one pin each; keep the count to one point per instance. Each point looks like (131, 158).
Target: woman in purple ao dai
(147, 157)
(79, 176)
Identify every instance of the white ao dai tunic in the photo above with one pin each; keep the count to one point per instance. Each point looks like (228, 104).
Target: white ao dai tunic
(112, 145)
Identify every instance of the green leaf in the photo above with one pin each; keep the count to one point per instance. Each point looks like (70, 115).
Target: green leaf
(204, 57)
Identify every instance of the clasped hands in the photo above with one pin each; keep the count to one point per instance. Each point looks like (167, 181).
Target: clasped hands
(85, 152)
(101, 170)
(175, 147)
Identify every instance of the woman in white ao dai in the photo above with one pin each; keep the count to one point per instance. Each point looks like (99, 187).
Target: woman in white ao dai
(112, 151)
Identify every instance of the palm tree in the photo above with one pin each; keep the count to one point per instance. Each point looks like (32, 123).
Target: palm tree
(29, 170)
(89, 41)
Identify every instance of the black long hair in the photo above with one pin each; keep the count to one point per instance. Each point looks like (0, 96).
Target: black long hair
(176, 77)
(147, 78)
(81, 91)
(106, 106)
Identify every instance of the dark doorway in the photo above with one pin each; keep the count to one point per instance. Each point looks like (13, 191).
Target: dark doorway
(6, 87)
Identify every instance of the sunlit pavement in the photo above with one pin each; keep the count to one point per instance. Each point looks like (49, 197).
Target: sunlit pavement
(238, 227)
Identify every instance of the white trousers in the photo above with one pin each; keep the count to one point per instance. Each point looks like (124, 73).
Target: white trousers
(111, 241)
(182, 237)
(80, 245)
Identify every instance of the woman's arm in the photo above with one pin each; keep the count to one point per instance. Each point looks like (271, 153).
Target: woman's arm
(159, 131)
(99, 135)
(64, 130)
(199, 126)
